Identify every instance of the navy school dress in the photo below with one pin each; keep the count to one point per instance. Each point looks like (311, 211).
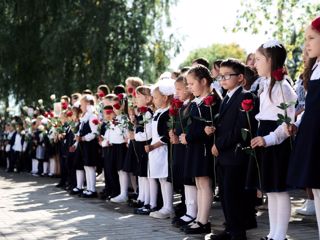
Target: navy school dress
(139, 150)
(273, 160)
(88, 149)
(199, 160)
(180, 150)
(305, 164)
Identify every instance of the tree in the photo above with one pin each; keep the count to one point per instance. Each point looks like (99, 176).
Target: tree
(215, 52)
(62, 46)
(284, 20)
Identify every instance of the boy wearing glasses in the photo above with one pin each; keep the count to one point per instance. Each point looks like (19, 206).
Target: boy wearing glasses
(232, 161)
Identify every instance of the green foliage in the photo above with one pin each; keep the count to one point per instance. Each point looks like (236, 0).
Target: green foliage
(281, 19)
(62, 46)
(215, 52)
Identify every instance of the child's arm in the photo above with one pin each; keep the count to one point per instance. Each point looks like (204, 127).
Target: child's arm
(94, 130)
(150, 148)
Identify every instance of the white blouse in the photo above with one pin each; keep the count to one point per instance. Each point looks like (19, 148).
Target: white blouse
(89, 116)
(117, 133)
(270, 111)
(147, 133)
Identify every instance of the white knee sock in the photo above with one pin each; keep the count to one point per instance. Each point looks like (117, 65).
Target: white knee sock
(272, 210)
(153, 192)
(146, 190)
(35, 163)
(80, 178)
(141, 189)
(45, 167)
(92, 179)
(52, 166)
(124, 182)
(283, 215)
(191, 202)
(87, 172)
(316, 194)
(167, 196)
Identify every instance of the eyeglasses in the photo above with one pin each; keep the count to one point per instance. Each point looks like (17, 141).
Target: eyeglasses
(227, 76)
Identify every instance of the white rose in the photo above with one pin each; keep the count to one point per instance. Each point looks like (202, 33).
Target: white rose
(40, 101)
(53, 97)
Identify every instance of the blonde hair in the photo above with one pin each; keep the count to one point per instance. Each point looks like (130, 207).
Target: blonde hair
(134, 81)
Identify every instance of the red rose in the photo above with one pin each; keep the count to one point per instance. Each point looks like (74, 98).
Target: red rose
(173, 112)
(120, 96)
(316, 24)
(109, 111)
(177, 103)
(247, 105)
(101, 94)
(64, 105)
(278, 74)
(46, 114)
(209, 100)
(117, 106)
(95, 121)
(143, 109)
(51, 115)
(130, 90)
(69, 114)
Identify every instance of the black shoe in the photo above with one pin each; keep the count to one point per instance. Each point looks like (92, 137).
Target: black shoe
(89, 194)
(180, 223)
(220, 236)
(266, 238)
(76, 191)
(199, 229)
(135, 203)
(145, 210)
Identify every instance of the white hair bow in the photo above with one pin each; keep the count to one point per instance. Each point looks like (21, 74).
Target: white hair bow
(271, 44)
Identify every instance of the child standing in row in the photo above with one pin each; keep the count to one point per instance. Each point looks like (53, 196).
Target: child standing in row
(158, 149)
(270, 59)
(88, 143)
(199, 141)
(304, 166)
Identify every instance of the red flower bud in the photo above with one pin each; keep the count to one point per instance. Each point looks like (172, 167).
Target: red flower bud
(69, 114)
(173, 112)
(209, 100)
(46, 114)
(247, 105)
(143, 109)
(95, 121)
(130, 90)
(278, 74)
(64, 105)
(176, 103)
(117, 106)
(120, 96)
(101, 94)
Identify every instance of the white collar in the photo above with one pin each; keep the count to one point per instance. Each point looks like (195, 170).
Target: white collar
(86, 117)
(316, 71)
(186, 102)
(230, 93)
(198, 100)
(161, 110)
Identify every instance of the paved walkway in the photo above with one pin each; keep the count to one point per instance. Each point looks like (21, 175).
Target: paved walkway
(32, 208)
